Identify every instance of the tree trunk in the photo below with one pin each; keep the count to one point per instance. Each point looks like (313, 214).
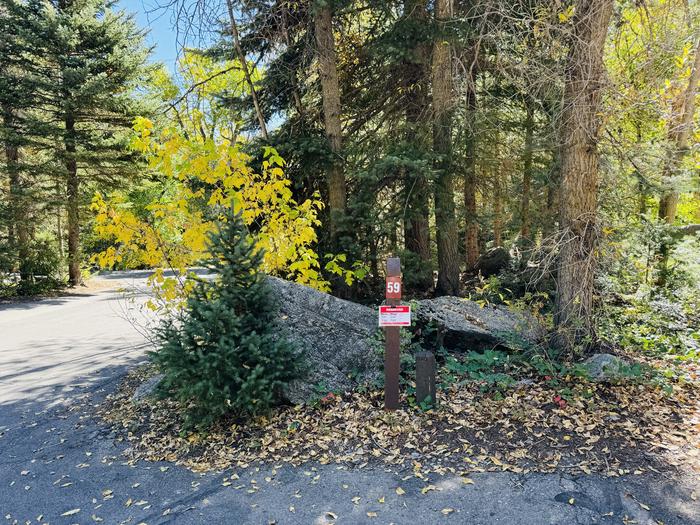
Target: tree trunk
(471, 225)
(72, 202)
(445, 223)
(497, 204)
(497, 208)
(328, 71)
(680, 131)
(579, 132)
(244, 66)
(59, 221)
(527, 172)
(497, 165)
(417, 227)
(19, 235)
(552, 192)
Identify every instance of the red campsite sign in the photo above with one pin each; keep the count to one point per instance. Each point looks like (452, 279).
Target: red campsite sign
(393, 287)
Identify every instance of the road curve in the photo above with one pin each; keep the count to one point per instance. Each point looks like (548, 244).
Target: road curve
(49, 347)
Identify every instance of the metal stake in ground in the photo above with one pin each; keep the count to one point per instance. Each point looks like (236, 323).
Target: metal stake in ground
(392, 336)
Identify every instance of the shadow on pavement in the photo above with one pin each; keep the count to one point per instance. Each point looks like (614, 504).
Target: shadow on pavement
(45, 376)
(25, 303)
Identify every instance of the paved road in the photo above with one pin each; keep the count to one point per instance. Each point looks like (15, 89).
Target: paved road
(49, 347)
(58, 465)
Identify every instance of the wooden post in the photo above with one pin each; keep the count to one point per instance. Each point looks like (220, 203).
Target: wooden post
(392, 336)
(425, 378)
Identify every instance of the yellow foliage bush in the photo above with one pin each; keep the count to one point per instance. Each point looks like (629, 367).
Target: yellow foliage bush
(207, 177)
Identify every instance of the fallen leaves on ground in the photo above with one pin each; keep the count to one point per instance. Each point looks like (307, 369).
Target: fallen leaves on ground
(612, 429)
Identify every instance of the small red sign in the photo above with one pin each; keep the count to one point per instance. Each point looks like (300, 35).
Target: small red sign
(395, 315)
(393, 287)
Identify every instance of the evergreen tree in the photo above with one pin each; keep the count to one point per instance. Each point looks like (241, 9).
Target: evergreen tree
(97, 58)
(20, 131)
(69, 71)
(223, 356)
(580, 158)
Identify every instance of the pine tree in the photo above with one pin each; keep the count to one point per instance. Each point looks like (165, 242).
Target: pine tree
(580, 158)
(68, 76)
(445, 222)
(326, 55)
(98, 57)
(223, 355)
(20, 130)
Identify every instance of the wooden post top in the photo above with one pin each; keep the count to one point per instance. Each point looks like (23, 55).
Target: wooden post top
(393, 267)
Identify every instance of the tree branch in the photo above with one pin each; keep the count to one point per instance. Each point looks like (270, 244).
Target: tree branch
(196, 85)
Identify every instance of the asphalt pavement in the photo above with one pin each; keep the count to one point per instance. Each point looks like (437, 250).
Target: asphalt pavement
(58, 464)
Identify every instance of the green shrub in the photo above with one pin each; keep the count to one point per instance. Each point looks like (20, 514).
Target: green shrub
(41, 269)
(223, 355)
(36, 273)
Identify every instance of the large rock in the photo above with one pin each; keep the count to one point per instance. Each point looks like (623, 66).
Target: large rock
(464, 325)
(338, 338)
(341, 340)
(147, 388)
(605, 367)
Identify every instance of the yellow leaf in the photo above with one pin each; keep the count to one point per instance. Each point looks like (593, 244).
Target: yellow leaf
(381, 500)
(566, 15)
(400, 491)
(371, 514)
(447, 511)
(467, 481)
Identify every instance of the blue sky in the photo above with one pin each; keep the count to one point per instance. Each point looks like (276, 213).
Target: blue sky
(162, 35)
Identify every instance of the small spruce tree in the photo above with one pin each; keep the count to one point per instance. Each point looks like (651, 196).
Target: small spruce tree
(222, 355)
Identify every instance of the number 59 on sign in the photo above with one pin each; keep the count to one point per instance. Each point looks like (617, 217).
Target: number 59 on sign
(393, 287)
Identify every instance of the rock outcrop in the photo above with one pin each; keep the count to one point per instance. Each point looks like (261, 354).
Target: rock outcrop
(339, 340)
(465, 325)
